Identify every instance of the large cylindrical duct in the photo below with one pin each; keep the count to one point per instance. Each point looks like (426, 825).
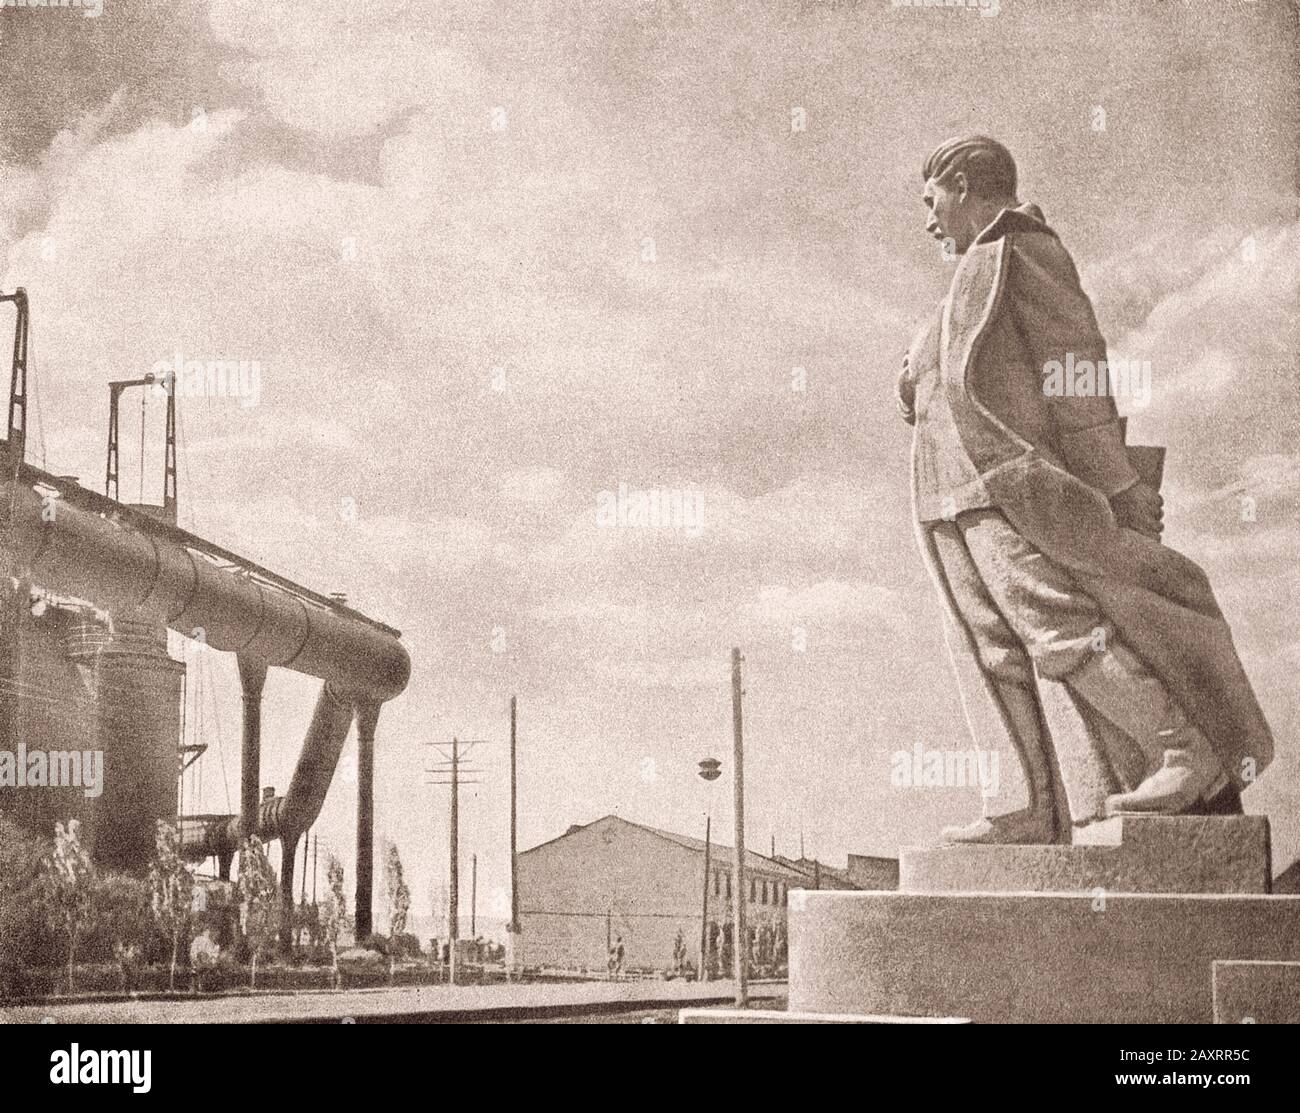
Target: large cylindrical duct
(285, 817)
(139, 705)
(142, 572)
(316, 764)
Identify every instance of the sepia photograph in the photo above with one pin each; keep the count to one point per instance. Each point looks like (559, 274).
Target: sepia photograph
(649, 512)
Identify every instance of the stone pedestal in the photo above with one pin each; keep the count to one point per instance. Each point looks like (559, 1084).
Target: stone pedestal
(1150, 854)
(1256, 992)
(1028, 957)
(1128, 927)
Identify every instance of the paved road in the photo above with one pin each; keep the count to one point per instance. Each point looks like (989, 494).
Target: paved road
(641, 1016)
(421, 1004)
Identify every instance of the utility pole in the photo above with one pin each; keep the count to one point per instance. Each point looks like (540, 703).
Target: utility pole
(450, 768)
(512, 933)
(741, 946)
(704, 918)
(453, 912)
(315, 852)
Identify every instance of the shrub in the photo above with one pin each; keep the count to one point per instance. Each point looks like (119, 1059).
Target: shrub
(124, 920)
(26, 940)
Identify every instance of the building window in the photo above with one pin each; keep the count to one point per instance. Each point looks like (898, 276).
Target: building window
(753, 890)
(765, 890)
(728, 886)
(717, 882)
(785, 896)
(776, 892)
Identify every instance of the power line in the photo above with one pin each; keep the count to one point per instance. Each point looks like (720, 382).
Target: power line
(36, 396)
(183, 453)
(144, 394)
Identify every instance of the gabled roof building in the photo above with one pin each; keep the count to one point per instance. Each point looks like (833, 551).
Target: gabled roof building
(614, 880)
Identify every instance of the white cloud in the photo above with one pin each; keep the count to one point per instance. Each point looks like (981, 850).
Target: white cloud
(852, 604)
(534, 486)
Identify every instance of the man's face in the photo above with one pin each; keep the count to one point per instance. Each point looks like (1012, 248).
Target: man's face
(943, 204)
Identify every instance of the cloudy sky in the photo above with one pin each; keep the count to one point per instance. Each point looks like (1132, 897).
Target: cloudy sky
(494, 260)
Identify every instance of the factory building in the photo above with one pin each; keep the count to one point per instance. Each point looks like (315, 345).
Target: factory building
(580, 892)
(85, 673)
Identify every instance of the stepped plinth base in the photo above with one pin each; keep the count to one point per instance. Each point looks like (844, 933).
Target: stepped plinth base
(1257, 993)
(1028, 957)
(1128, 854)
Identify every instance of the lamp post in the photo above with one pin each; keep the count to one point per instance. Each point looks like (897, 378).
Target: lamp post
(741, 943)
(710, 770)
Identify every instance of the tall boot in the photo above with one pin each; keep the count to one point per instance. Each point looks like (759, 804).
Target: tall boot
(1182, 767)
(1039, 822)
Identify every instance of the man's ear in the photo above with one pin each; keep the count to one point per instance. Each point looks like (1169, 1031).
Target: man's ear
(960, 187)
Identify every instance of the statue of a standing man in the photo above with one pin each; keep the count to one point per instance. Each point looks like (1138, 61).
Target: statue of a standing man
(1102, 652)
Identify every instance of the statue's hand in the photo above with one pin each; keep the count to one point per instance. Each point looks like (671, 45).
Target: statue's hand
(1141, 509)
(905, 392)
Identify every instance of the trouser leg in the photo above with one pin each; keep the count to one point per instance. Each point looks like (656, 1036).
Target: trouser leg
(1069, 640)
(1010, 675)
(1183, 768)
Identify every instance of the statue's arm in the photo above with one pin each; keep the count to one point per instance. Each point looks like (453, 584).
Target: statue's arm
(1056, 319)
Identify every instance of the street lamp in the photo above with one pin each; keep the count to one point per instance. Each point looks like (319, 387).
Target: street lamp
(710, 770)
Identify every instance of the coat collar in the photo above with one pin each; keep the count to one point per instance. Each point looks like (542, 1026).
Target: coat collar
(1022, 218)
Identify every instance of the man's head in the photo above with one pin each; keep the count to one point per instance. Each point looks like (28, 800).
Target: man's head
(968, 181)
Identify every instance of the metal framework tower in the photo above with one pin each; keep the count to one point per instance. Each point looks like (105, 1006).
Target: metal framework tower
(10, 589)
(17, 436)
(115, 389)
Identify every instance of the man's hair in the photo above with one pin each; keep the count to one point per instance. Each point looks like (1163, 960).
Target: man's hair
(989, 168)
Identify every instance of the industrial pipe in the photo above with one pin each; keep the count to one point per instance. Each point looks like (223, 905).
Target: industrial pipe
(76, 544)
(367, 714)
(284, 817)
(252, 679)
(139, 571)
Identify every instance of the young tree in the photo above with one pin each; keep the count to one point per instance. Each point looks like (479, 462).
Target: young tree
(259, 901)
(68, 883)
(334, 913)
(399, 904)
(171, 887)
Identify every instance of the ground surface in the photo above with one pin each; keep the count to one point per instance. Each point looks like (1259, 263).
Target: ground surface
(571, 1002)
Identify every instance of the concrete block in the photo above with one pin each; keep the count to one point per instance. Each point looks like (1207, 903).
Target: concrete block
(1256, 992)
(1028, 957)
(1127, 854)
(782, 1016)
